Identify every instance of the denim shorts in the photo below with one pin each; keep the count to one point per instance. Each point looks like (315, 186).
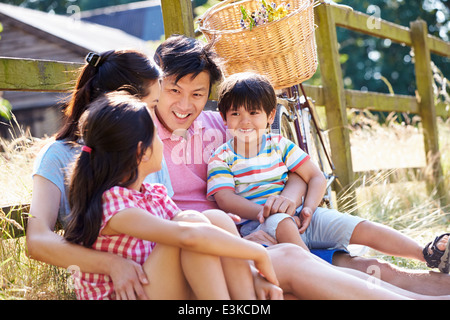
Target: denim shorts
(329, 228)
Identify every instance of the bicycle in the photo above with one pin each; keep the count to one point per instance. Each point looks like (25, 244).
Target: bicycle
(296, 119)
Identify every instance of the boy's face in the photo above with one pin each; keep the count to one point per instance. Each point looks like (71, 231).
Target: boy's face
(248, 126)
(182, 102)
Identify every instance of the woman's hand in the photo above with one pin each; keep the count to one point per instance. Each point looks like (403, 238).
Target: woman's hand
(128, 278)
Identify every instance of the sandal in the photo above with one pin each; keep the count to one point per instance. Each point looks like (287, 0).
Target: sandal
(439, 258)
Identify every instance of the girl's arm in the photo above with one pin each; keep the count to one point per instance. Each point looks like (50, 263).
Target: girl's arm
(47, 246)
(199, 237)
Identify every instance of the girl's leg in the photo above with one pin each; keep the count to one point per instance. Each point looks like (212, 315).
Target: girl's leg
(237, 272)
(181, 274)
(165, 273)
(308, 277)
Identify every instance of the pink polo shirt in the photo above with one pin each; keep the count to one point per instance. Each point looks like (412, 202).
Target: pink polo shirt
(187, 159)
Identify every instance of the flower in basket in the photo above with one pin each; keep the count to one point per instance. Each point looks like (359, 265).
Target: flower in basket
(266, 13)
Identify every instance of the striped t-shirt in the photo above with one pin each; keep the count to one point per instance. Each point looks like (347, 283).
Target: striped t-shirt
(258, 177)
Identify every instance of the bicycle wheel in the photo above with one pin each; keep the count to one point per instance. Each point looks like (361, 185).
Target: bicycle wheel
(284, 124)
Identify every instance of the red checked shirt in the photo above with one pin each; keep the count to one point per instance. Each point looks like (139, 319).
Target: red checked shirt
(152, 198)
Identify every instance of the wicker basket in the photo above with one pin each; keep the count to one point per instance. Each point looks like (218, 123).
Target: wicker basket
(283, 50)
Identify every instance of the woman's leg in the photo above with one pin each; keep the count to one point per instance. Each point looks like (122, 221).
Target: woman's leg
(419, 281)
(237, 271)
(307, 277)
(181, 274)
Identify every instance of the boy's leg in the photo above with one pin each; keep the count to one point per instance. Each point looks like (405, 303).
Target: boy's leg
(284, 229)
(386, 240)
(287, 232)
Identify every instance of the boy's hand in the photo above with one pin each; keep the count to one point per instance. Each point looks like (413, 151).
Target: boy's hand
(279, 204)
(305, 219)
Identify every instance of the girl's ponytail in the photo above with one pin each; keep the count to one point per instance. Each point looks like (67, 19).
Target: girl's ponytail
(117, 129)
(84, 222)
(127, 70)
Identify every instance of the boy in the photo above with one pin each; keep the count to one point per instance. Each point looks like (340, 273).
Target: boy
(253, 165)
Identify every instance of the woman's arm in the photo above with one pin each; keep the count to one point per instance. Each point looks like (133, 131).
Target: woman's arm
(47, 246)
(199, 237)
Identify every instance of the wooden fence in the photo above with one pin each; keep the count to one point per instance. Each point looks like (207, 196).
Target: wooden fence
(177, 18)
(54, 76)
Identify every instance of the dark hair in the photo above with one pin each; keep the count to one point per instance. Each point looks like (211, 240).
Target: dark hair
(179, 56)
(112, 128)
(249, 90)
(127, 70)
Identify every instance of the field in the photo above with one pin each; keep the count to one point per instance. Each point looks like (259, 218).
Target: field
(392, 195)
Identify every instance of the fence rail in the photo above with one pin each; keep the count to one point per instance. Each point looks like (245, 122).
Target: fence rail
(56, 76)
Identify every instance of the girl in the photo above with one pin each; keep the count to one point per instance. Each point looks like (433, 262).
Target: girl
(126, 70)
(114, 211)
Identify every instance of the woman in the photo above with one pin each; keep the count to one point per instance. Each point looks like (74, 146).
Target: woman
(113, 70)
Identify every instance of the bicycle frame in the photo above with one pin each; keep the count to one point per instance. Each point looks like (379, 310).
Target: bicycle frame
(300, 113)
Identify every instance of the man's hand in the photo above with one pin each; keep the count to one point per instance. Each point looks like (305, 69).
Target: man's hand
(128, 278)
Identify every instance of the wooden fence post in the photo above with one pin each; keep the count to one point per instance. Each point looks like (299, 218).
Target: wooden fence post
(178, 17)
(335, 102)
(427, 110)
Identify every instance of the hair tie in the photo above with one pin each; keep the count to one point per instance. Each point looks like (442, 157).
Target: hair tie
(86, 149)
(93, 59)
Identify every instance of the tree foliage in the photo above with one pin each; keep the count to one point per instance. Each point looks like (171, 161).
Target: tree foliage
(368, 63)
(374, 64)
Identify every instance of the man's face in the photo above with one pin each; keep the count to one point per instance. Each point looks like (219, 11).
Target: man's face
(181, 103)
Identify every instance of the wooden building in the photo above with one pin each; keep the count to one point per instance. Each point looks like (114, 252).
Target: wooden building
(34, 34)
(142, 19)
